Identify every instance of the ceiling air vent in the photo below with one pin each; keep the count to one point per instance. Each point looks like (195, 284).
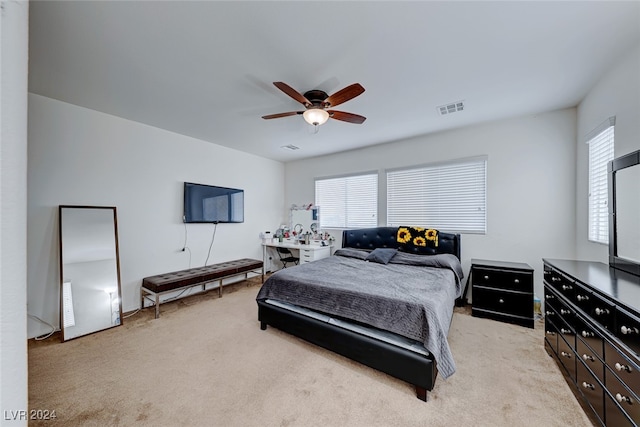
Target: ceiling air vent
(290, 147)
(450, 108)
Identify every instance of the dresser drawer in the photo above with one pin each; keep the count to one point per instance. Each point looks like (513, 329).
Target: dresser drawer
(626, 399)
(504, 279)
(591, 359)
(623, 367)
(508, 302)
(590, 336)
(628, 330)
(591, 389)
(551, 334)
(616, 416)
(567, 357)
(603, 313)
(560, 282)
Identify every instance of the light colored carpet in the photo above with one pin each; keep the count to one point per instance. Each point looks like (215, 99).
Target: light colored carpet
(205, 362)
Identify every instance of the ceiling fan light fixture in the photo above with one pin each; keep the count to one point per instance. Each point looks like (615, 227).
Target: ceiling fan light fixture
(315, 116)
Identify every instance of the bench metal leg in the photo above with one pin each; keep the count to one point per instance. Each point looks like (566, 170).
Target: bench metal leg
(157, 305)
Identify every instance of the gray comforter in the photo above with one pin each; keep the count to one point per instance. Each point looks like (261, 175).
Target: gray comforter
(412, 295)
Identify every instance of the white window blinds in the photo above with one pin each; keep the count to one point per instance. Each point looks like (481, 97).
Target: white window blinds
(600, 142)
(449, 197)
(348, 202)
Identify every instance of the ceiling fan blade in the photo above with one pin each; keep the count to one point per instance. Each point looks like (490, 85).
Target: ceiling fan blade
(343, 95)
(277, 116)
(346, 117)
(292, 93)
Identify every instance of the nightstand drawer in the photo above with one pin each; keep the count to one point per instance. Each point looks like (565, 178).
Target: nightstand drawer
(503, 279)
(502, 301)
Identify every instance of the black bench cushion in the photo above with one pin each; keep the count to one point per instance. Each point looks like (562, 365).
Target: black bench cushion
(193, 276)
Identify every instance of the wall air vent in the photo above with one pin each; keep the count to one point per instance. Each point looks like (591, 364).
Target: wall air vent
(290, 147)
(443, 110)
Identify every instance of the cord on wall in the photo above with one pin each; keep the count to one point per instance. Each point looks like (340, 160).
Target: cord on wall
(213, 237)
(47, 335)
(184, 246)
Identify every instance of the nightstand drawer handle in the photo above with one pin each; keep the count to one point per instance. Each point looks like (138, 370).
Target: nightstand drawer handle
(553, 334)
(549, 297)
(501, 301)
(582, 298)
(567, 287)
(620, 367)
(620, 398)
(549, 313)
(587, 358)
(565, 354)
(587, 334)
(555, 279)
(563, 311)
(516, 281)
(486, 277)
(565, 331)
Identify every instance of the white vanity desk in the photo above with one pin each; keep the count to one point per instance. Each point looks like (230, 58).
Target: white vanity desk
(308, 253)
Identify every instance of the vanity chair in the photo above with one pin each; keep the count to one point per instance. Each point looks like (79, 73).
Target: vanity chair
(286, 257)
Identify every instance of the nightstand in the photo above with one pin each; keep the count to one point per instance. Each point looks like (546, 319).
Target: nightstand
(502, 291)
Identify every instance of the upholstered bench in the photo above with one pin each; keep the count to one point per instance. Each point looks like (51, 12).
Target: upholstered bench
(199, 276)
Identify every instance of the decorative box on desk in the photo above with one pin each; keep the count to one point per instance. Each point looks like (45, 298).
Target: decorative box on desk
(502, 291)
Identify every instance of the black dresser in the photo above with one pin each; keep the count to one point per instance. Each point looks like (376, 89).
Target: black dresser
(592, 330)
(502, 291)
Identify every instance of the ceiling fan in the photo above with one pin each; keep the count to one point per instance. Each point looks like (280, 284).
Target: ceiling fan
(317, 104)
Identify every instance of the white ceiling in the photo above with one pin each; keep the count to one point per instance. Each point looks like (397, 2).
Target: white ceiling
(205, 69)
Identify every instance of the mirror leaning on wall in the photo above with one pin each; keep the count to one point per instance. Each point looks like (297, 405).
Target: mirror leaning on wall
(90, 287)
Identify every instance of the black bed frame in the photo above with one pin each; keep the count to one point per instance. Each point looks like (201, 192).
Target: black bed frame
(416, 369)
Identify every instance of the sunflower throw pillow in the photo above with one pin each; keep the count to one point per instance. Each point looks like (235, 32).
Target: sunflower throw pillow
(417, 236)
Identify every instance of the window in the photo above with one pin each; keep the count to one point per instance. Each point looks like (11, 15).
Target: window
(349, 201)
(450, 197)
(600, 142)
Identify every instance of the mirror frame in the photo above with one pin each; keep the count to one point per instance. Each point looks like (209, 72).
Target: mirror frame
(61, 266)
(623, 162)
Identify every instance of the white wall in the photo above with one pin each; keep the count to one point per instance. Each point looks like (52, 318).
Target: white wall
(617, 93)
(531, 182)
(83, 157)
(14, 24)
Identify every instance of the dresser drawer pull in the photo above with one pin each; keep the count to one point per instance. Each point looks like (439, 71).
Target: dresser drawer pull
(587, 385)
(582, 298)
(563, 311)
(628, 331)
(486, 277)
(549, 297)
(565, 331)
(601, 311)
(587, 334)
(555, 279)
(620, 398)
(588, 358)
(516, 281)
(620, 367)
(567, 287)
(549, 313)
(501, 301)
(565, 354)
(553, 334)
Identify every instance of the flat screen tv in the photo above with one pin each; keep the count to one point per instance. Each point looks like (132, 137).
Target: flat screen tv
(208, 203)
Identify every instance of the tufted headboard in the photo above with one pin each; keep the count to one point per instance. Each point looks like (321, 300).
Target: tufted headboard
(386, 237)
